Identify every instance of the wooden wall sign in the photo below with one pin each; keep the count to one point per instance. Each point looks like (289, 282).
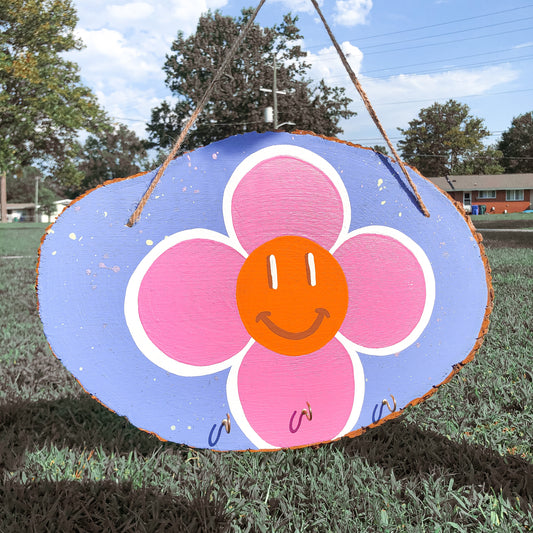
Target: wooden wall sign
(279, 290)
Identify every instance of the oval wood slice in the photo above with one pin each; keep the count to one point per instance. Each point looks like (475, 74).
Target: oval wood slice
(278, 290)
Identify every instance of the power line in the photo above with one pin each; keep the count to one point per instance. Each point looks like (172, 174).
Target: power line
(410, 30)
(444, 69)
(325, 56)
(417, 28)
(449, 33)
(377, 103)
(452, 97)
(461, 67)
(450, 42)
(447, 59)
(396, 138)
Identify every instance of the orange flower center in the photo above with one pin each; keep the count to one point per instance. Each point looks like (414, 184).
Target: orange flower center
(292, 295)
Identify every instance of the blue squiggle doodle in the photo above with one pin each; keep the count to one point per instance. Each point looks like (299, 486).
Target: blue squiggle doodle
(226, 423)
(383, 404)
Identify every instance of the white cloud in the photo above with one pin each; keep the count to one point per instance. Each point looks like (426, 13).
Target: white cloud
(398, 99)
(326, 63)
(352, 12)
(524, 45)
(163, 17)
(131, 11)
(108, 58)
(125, 47)
(128, 103)
(301, 6)
(185, 14)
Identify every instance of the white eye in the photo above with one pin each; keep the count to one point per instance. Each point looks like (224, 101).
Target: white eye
(311, 269)
(272, 272)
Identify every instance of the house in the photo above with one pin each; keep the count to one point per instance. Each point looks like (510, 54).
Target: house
(21, 212)
(498, 193)
(25, 212)
(59, 205)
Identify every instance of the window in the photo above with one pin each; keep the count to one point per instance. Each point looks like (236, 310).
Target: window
(486, 195)
(514, 196)
(467, 199)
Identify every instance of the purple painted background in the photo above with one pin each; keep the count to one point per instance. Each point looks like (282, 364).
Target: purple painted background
(88, 257)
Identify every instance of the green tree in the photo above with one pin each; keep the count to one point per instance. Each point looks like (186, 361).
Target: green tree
(46, 201)
(43, 104)
(516, 145)
(381, 149)
(111, 154)
(237, 104)
(21, 185)
(21, 188)
(446, 139)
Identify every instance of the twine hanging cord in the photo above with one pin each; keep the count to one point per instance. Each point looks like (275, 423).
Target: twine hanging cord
(229, 56)
(369, 107)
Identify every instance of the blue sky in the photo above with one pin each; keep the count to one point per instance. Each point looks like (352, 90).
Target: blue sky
(407, 55)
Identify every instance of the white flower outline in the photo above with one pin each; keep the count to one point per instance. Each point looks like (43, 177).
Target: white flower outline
(159, 358)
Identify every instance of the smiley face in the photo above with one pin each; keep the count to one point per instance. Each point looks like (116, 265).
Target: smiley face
(292, 295)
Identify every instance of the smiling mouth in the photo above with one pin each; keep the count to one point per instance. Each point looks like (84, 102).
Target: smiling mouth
(293, 336)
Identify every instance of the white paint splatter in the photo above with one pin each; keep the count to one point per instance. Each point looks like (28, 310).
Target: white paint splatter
(380, 182)
(149, 242)
(105, 214)
(384, 202)
(173, 428)
(72, 236)
(214, 156)
(189, 427)
(81, 368)
(54, 252)
(400, 214)
(116, 268)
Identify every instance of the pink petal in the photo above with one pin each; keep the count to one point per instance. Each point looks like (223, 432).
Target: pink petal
(284, 195)
(386, 290)
(187, 303)
(273, 387)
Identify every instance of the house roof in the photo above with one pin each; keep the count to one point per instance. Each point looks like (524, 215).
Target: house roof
(484, 182)
(20, 206)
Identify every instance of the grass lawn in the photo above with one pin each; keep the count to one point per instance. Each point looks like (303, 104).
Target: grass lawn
(21, 238)
(508, 216)
(509, 221)
(461, 461)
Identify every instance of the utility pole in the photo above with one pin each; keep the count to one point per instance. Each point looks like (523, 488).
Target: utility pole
(275, 93)
(3, 196)
(36, 198)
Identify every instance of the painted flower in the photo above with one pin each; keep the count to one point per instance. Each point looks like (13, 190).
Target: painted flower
(285, 300)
